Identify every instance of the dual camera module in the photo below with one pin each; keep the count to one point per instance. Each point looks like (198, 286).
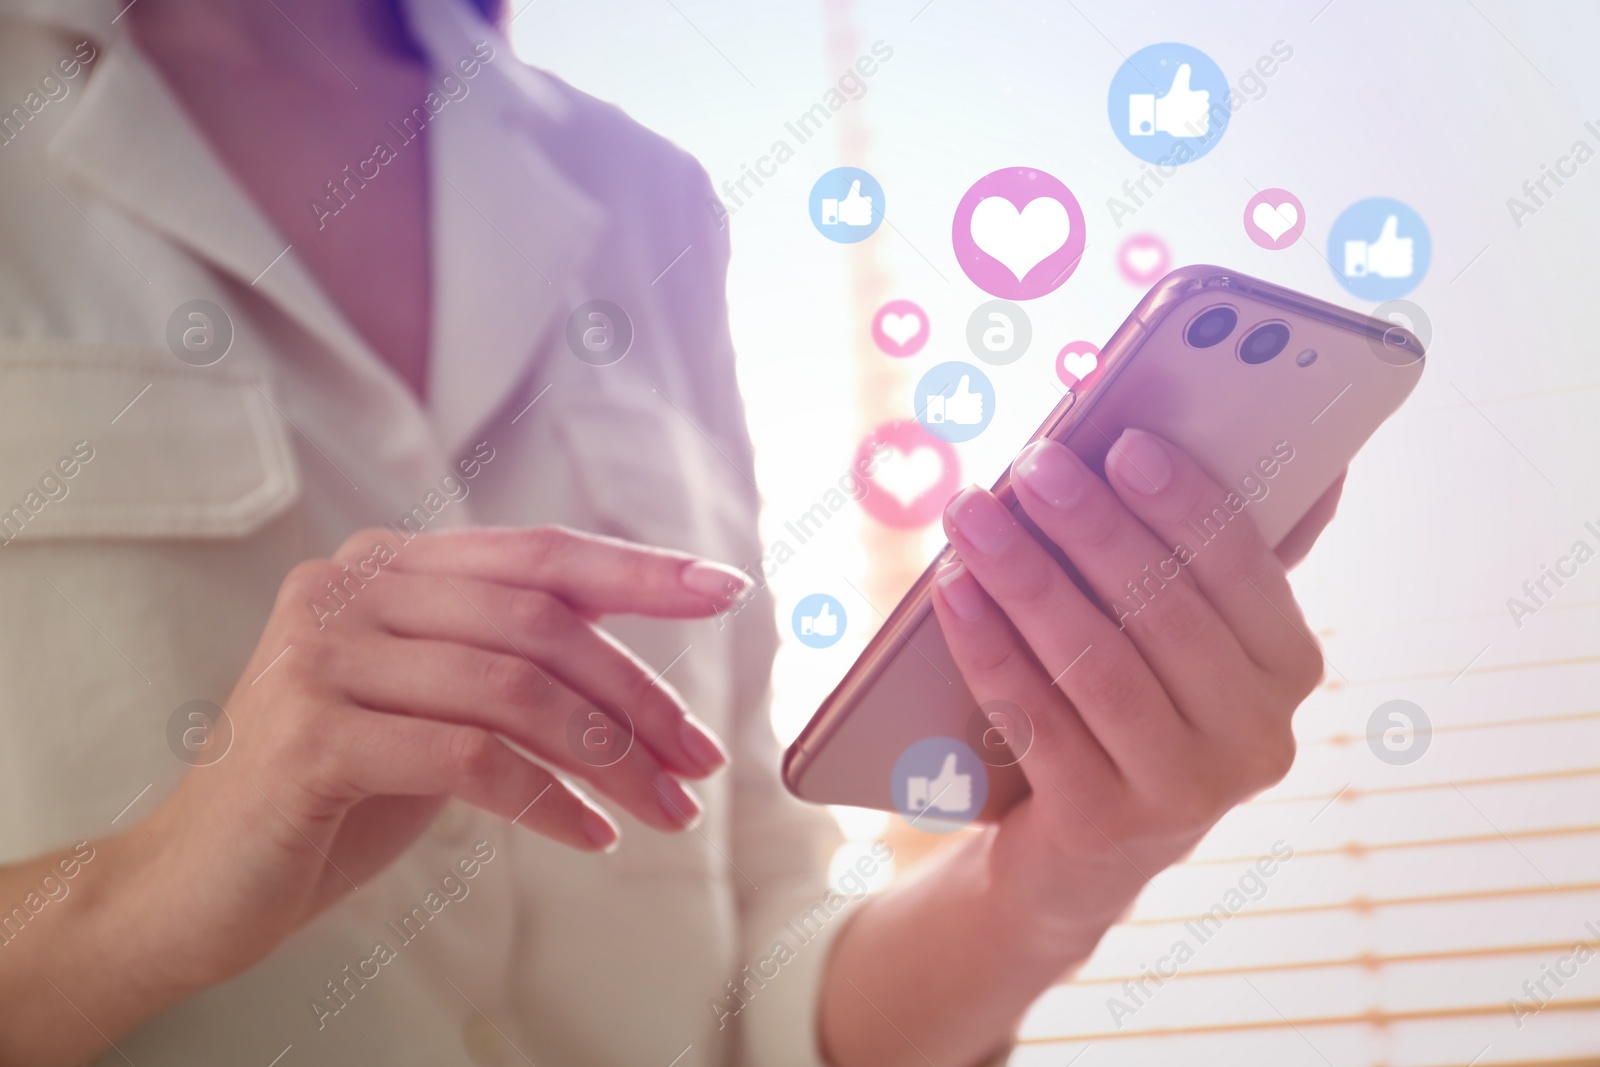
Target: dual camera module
(1215, 325)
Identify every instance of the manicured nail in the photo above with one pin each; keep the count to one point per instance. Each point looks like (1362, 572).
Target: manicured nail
(701, 746)
(1140, 461)
(1052, 473)
(961, 590)
(982, 520)
(714, 580)
(678, 801)
(601, 830)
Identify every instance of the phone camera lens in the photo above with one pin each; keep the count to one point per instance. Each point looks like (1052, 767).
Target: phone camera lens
(1264, 342)
(1211, 327)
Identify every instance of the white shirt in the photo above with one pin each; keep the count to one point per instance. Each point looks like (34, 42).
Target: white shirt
(147, 583)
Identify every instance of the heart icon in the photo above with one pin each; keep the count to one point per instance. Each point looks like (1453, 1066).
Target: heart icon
(915, 470)
(1274, 218)
(1275, 221)
(1080, 364)
(1076, 361)
(902, 328)
(1143, 258)
(906, 476)
(1020, 240)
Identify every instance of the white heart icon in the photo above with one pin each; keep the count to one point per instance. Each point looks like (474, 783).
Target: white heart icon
(906, 476)
(1143, 258)
(1020, 240)
(1275, 221)
(1080, 364)
(902, 328)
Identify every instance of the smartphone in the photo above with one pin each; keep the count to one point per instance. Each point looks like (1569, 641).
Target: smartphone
(1240, 373)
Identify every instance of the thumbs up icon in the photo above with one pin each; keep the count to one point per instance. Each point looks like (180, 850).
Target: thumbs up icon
(854, 210)
(823, 624)
(948, 792)
(1390, 256)
(819, 620)
(964, 408)
(1182, 112)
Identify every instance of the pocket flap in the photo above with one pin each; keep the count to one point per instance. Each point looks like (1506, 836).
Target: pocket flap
(102, 440)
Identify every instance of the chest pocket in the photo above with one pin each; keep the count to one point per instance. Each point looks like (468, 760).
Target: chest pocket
(145, 521)
(119, 441)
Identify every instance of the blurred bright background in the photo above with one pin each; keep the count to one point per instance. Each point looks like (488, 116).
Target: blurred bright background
(1421, 898)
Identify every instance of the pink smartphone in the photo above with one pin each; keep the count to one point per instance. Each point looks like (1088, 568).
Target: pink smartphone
(1241, 374)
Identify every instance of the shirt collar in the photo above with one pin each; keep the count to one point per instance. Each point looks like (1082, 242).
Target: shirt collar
(508, 228)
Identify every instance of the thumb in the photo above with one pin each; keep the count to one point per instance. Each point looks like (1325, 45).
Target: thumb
(1180, 81)
(855, 189)
(1391, 228)
(964, 386)
(827, 609)
(949, 768)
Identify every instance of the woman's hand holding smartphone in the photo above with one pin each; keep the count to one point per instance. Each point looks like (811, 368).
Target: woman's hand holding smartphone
(1145, 733)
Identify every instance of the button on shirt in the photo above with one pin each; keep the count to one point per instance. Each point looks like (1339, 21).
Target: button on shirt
(142, 581)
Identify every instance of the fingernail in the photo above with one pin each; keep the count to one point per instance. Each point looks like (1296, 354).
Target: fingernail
(961, 590)
(701, 746)
(600, 830)
(714, 580)
(1140, 461)
(1047, 469)
(678, 801)
(982, 520)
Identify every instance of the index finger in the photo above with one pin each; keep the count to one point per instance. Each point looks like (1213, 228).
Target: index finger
(595, 574)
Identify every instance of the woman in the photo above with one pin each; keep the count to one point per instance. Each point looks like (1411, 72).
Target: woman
(297, 310)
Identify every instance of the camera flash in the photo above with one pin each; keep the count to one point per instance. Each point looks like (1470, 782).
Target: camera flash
(1306, 358)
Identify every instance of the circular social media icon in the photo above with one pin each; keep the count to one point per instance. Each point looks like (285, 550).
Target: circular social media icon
(1075, 362)
(939, 784)
(1000, 733)
(954, 401)
(599, 332)
(599, 734)
(847, 205)
(900, 328)
(199, 333)
(1379, 248)
(908, 474)
(999, 332)
(1143, 258)
(1274, 219)
(1398, 732)
(1169, 104)
(1018, 233)
(818, 621)
(199, 733)
(1393, 346)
